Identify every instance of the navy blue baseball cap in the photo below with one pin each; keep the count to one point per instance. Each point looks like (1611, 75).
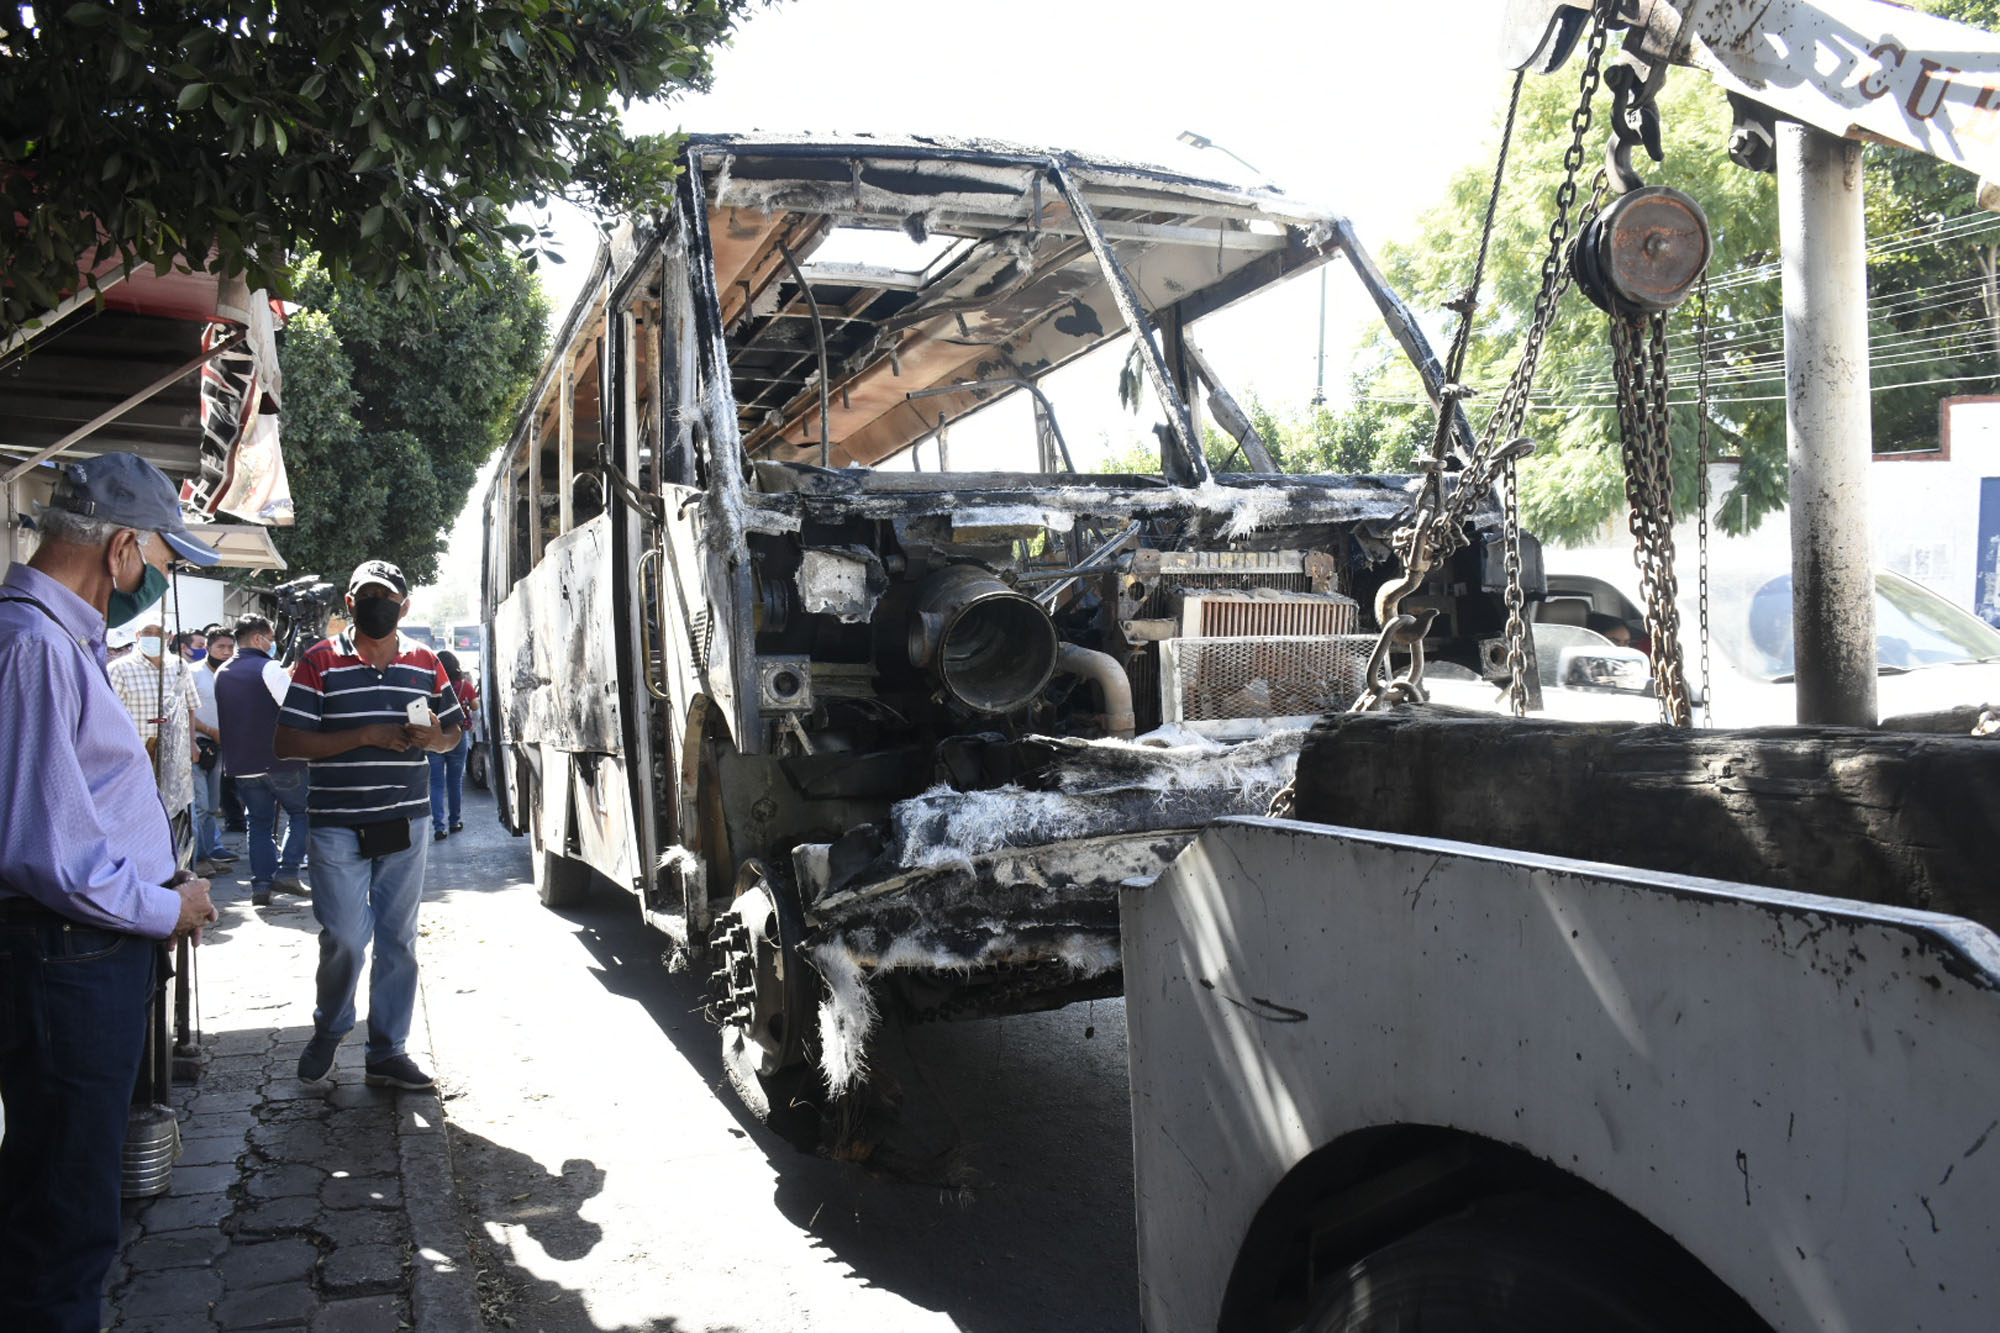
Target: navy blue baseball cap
(127, 490)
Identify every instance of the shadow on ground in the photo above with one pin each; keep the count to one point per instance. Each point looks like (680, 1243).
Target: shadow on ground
(545, 1207)
(998, 1191)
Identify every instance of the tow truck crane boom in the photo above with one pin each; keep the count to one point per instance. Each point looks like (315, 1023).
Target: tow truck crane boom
(1857, 69)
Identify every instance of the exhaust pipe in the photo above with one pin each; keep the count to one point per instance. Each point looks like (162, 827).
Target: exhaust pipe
(1114, 687)
(990, 648)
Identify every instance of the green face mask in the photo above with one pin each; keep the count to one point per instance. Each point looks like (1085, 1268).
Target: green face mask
(126, 606)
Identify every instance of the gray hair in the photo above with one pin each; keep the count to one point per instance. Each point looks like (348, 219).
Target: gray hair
(66, 525)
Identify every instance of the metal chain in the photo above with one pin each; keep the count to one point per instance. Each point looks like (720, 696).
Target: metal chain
(1702, 490)
(1639, 351)
(1512, 408)
(1437, 522)
(1516, 599)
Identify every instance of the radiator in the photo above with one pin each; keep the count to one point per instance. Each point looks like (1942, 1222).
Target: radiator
(1231, 614)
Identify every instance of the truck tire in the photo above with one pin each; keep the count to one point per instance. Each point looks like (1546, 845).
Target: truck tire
(559, 880)
(1524, 1264)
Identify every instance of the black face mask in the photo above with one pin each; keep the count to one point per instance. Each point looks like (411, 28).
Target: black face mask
(376, 617)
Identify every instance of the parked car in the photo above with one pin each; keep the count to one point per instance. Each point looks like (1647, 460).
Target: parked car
(1932, 654)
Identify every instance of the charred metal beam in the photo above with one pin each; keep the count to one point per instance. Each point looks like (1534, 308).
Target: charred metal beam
(1134, 314)
(1402, 324)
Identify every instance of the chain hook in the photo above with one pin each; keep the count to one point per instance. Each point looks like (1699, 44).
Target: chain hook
(1635, 122)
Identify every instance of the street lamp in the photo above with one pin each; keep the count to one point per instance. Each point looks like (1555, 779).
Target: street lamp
(1193, 140)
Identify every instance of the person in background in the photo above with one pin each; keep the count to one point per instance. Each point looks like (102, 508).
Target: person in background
(229, 812)
(208, 759)
(88, 882)
(191, 645)
(1611, 627)
(448, 770)
(158, 690)
(117, 643)
(349, 713)
(248, 693)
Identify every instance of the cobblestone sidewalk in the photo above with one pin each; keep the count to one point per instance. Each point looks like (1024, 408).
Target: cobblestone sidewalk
(321, 1206)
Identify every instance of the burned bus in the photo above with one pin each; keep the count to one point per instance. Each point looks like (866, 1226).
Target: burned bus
(806, 626)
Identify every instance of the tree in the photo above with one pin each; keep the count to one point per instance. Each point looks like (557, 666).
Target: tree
(1934, 296)
(390, 406)
(1574, 482)
(391, 141)
(1365, 438)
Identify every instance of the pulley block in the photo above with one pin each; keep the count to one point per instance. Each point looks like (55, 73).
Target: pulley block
(1643, 253)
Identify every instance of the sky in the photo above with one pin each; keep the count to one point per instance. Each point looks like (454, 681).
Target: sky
(1362, 108)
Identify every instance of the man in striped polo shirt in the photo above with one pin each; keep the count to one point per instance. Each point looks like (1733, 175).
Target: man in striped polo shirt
(349, 715)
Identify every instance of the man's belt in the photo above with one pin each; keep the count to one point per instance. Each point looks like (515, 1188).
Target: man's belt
(18, 909)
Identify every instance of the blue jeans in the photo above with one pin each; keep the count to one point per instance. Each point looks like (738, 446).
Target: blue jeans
(264, 794)
(357, 900)
(448, 783)
(207, 809)
(72, 1029)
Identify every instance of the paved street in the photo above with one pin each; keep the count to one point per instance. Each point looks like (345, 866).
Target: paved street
(596, 1179)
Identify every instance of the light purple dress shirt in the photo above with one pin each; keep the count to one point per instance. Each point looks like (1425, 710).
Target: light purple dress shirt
(82, 830)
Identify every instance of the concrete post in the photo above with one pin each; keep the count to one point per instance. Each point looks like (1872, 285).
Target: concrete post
(1824, 239)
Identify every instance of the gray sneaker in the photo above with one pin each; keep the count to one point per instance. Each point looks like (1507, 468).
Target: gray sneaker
(399, 1071)
(316, 1060)
(291, 884)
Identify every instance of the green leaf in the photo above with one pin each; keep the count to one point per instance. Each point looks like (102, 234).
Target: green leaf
(516, 44)
(313, 86)
(192, 96)
(279, 138)
(112, 166)
(371, 222)
(87, 15)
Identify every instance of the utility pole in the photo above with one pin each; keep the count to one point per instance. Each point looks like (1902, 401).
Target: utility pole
(1824, 239)
(1319, 384)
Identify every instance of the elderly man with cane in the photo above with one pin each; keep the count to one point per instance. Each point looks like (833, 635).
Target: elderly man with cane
(88, 882)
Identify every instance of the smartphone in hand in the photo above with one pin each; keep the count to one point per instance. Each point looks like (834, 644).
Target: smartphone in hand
(419, 713)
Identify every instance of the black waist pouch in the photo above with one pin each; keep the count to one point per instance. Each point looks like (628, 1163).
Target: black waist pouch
(384, 839)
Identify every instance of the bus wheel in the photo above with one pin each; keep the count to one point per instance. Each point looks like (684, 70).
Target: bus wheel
(761, 996)
(560, 881)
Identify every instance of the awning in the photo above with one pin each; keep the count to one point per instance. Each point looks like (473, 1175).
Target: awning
(185, 367)
(241, 545)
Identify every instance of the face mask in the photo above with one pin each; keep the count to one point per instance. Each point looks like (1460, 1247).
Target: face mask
(196, 654)
(376, 617)
(148, 644)
(126, 606)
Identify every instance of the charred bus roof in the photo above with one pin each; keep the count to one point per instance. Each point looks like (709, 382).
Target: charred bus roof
(935, 275)
(1011, 262)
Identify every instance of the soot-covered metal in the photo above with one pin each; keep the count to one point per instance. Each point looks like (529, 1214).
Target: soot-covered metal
(893, 733)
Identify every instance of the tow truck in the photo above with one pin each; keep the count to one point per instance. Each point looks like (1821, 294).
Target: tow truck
(1502, 1023)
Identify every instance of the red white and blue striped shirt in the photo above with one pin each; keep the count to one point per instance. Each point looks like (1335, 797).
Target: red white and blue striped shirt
(334, 689)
